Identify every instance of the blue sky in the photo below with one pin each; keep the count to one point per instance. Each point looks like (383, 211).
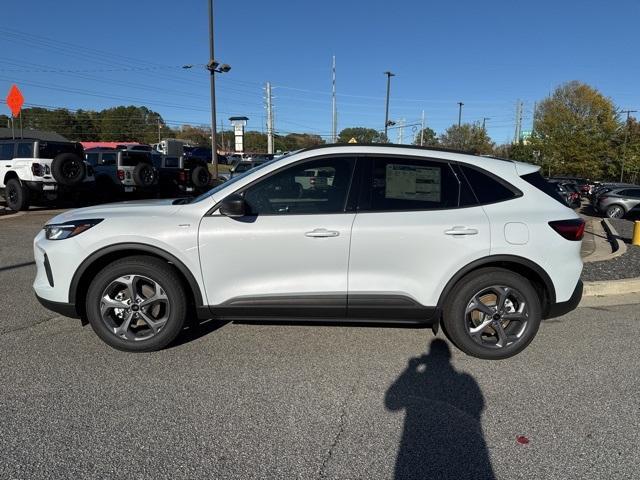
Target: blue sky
(485, 54)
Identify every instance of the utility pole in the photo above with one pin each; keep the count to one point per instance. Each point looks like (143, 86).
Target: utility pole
(460, 104)
(484, 123)
(334, 111)
(159, 132)
(386, 114)
(212, 81)
(269, 120)
(533, 122)
(624, 148)
(222, 133)
(401, 131)
(516, 135)
(422, 130)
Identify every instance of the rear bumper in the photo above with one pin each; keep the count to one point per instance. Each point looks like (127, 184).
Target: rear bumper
(65, 309)
(562, 308)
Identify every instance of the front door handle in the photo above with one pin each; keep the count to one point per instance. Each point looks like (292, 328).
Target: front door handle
(322, 233)
(457, 231)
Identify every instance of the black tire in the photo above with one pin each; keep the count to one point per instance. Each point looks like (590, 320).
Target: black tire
(200, 177)
(615, 211)
(68, 169)
(17, 196)
(144, 174)
(146, 267)
(456, 321)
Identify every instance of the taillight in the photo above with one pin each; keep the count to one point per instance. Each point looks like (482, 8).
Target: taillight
(182, 176)
(121, 174)
(570, 229)
(37, 170)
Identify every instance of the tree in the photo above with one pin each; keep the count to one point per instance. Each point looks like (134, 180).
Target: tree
(575, 130)
(429, 137)
(362, 135)
(468, 137)
(199, 136)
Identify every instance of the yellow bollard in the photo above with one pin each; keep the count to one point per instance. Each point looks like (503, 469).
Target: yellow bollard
(636, 233)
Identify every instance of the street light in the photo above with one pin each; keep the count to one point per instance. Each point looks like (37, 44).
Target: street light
(386, 114)
(214, 67)
(460, 104)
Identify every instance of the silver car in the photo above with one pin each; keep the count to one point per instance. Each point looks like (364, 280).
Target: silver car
(618, 202)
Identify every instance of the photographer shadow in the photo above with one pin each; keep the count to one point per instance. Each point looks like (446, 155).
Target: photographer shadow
(442, 437)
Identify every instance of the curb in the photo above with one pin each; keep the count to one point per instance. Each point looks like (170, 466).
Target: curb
(601, 288)
(618, 246)
(12, 215)
(611, 287)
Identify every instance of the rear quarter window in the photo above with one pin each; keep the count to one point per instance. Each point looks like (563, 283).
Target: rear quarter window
(538, 181)
(487, 188)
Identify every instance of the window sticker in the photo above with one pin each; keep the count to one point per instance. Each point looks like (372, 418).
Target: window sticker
(411, 182)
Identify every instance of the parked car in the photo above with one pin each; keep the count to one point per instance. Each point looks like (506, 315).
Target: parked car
(583, 184)
(618, 202)
(179, 176)
(122, 172)
(244, 166)
(569, 191)
(404, 234)
(35, 171)
(604, 187)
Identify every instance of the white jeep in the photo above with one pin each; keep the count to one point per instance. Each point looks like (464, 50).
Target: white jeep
(37, 171)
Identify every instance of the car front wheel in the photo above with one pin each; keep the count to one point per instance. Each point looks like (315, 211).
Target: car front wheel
(137, 304)
(492, 314)
(615, 211)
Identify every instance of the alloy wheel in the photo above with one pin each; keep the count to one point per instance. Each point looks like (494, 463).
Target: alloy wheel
(615, 212)
(134, 307)
(496, 316)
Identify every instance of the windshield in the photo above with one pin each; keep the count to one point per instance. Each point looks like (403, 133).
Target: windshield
(235, 178)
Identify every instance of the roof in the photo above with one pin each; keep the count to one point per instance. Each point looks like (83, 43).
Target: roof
(27, 133)
(400, 146)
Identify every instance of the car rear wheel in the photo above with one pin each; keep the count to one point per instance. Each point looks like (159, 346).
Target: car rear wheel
(137, 304)
(615, 211)
(17, 195)
(492, 314)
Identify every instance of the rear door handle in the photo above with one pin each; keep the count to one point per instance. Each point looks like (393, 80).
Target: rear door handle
(322, 233)
(457, 231)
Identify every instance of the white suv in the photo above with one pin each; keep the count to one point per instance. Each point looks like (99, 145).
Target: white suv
(399, 235)
(33, 171)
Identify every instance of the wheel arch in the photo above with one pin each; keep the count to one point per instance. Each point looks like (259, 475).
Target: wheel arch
(99, 259)
(10, 175)
(525, 267)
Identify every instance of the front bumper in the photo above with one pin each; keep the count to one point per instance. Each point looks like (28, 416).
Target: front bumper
(65, 309)
(562, 308)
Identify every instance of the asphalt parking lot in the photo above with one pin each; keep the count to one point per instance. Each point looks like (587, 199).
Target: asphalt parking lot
(265, 401)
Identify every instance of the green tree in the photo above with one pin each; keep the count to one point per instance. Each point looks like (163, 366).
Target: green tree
(575, 131)
(362, 135)
(200, 135)
(429, 137)
(468, 137)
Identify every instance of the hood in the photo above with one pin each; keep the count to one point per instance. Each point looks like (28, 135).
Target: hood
(146, 208)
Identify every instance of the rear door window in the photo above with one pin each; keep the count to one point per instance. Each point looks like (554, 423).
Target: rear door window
(398, 183)
(6, 151)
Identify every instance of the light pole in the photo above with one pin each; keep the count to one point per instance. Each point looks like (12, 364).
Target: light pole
(484, 123)
(386, 113)
(214, 67)
(460, 104)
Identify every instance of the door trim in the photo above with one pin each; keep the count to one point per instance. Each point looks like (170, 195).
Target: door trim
(326, 307)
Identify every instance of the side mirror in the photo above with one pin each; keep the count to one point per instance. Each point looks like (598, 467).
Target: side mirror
(233, 206)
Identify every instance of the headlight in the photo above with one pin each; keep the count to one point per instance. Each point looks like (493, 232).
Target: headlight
(69, 229)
